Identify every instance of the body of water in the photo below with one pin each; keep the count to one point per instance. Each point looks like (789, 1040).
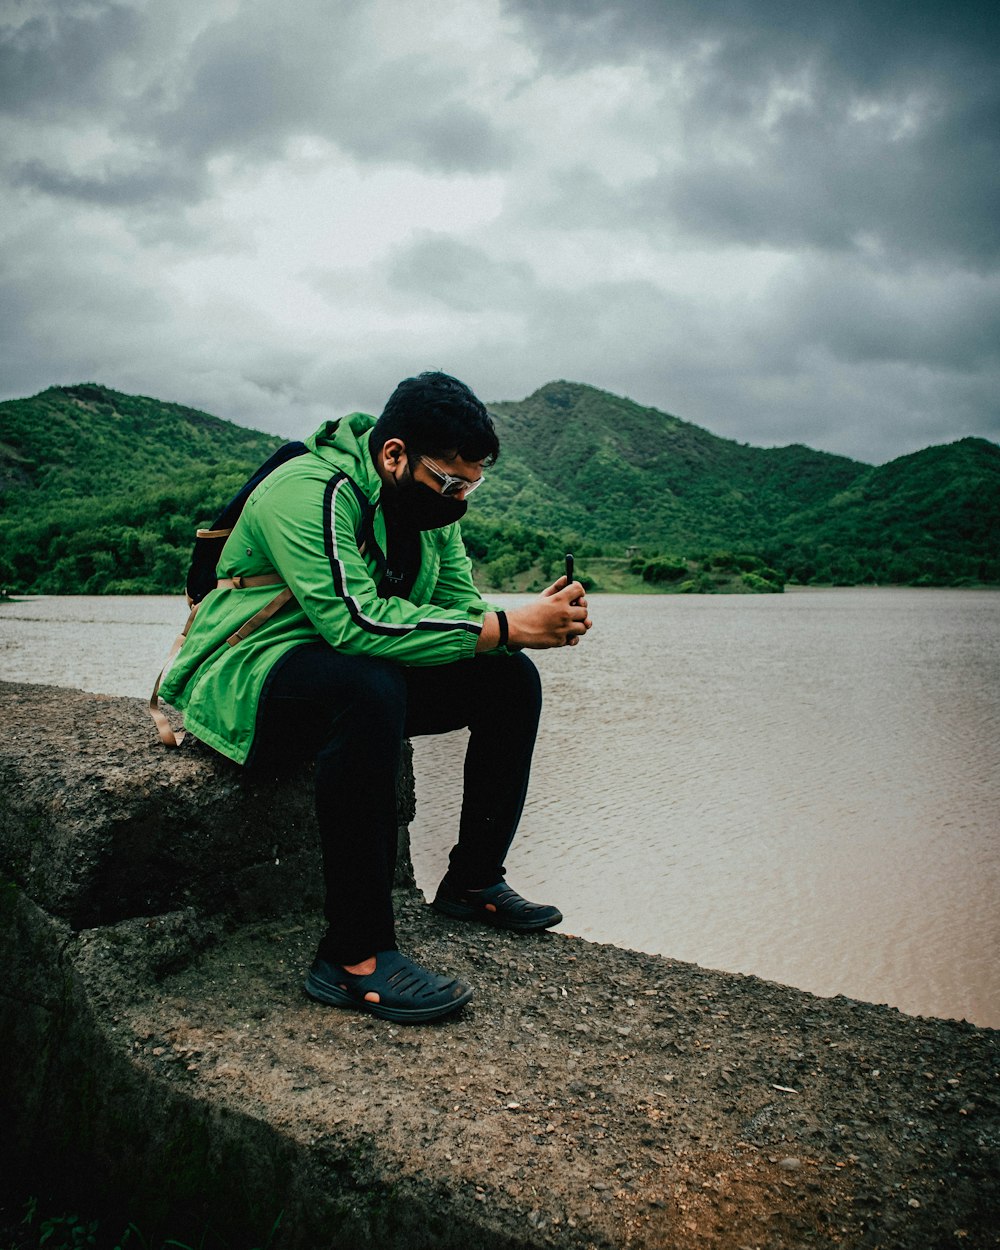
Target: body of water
(802, 786)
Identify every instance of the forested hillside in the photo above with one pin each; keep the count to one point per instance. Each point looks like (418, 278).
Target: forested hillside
(100, 493)
(930, 518)
(619, 474)
(690, 508)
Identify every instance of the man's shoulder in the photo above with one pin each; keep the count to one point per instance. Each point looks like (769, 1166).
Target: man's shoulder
(298, 478)
(306, 482)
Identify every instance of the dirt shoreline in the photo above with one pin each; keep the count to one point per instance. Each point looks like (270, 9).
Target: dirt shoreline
(167, 1067)
(587, 1097)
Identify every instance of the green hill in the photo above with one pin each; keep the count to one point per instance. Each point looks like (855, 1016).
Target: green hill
(930, 518)
(100, 493)
(618, 474)
(614, 476)
(47, 443)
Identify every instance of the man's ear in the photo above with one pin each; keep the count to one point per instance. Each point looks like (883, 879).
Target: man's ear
(393, 453)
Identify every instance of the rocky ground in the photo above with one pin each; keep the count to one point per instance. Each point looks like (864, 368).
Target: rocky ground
(588, 1096)
(166, 1055)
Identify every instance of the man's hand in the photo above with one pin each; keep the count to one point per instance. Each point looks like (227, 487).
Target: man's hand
(557, 618)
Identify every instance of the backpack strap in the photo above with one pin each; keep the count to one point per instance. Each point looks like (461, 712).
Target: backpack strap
(366, 543)
(266, 612)
(209, 542)
(167, 735)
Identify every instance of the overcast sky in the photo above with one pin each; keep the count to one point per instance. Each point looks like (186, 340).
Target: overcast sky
(778, 219)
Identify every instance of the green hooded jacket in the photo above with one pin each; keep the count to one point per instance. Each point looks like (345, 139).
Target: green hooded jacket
(304, 522)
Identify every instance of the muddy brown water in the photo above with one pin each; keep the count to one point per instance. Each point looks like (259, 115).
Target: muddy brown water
(806, 786)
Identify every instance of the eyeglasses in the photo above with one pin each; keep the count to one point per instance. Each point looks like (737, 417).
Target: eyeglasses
(451, 485)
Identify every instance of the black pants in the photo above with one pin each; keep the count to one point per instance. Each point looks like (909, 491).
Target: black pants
(351, 714)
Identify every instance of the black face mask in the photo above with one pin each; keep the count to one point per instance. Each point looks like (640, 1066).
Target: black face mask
(421, 507)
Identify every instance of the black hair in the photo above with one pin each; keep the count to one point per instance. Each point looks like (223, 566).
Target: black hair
(436, 415)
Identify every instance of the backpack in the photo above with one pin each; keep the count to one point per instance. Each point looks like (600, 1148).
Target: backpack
(202, 576)
(208, 543)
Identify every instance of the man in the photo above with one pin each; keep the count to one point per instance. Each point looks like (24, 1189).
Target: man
(385, 636)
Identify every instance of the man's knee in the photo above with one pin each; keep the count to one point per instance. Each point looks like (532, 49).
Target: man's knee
(525, 676)
(512, 683)
(344, 696)
(373, 693)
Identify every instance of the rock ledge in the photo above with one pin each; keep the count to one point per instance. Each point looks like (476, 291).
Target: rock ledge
(170, 1066)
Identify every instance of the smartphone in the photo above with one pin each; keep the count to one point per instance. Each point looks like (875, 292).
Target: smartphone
(569, 567)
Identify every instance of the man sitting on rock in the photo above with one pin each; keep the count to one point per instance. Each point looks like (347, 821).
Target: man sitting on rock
(385, 636)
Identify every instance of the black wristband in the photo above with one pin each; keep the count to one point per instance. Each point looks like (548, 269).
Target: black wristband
(504, 631)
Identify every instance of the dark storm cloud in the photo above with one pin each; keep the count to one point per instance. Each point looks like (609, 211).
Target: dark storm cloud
(834, 182)
(251, 84)
(453, 138)
(463, 277)
(806, 124)
(171, 98)
(63, 59)
(67, 306)
(109, 188)
(931, 320)
(870, 44)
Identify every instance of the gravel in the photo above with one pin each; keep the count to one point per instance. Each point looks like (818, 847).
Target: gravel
(588, 1096)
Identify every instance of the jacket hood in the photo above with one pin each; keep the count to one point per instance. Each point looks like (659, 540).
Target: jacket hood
(344, 444)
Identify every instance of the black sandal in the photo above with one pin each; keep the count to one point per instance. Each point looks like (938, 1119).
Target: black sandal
(498, 905)
(408, 994)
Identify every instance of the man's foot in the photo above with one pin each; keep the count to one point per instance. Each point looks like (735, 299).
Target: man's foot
(398, 989)
(497, 905)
